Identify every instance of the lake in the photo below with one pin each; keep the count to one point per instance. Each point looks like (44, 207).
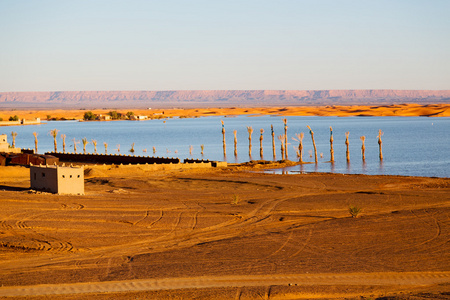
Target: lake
(412, 146)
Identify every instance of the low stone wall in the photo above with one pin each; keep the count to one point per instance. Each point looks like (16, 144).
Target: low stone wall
(10, 123)
(112, 158)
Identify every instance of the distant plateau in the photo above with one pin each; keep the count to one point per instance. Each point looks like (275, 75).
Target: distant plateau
(217, 98)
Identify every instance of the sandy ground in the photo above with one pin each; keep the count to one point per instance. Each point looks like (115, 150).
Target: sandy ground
(228, 233)
(431, 110)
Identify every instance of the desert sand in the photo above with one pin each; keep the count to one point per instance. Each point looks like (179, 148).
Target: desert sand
(408, 110)
(225, 233)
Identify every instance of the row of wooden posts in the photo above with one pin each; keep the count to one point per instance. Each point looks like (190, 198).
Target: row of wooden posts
(299, 138)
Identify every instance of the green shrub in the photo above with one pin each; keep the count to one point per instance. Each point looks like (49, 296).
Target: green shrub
(354, 210)
(235, 200)
(89, 116)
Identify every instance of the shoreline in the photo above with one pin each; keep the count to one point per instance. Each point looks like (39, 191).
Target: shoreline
(400, 110)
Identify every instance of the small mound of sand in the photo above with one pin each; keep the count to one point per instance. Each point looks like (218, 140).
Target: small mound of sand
(92, 172)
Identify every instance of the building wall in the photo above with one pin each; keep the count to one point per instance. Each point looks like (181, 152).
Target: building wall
(56, 179)
(70, 180)
(44, 178)
(4, 147)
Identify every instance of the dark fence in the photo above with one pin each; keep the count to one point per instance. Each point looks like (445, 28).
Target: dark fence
(193, 161)
(113, 158)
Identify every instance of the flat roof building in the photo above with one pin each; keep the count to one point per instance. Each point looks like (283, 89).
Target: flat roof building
(4, 146)
(57, 179)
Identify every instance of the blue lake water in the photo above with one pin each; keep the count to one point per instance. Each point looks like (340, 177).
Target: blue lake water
(413, 146)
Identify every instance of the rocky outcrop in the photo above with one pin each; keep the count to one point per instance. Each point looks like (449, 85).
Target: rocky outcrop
(261, 97)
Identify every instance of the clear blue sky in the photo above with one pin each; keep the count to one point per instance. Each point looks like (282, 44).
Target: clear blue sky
(208, 45)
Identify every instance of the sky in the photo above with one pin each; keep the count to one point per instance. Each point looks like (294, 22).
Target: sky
(109, 45)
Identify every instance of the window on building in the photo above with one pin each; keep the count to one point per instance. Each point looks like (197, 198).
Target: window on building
(70, 176)
(43, 174)
(64, 176)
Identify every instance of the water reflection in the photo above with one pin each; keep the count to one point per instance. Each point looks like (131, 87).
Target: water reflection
(364, 166)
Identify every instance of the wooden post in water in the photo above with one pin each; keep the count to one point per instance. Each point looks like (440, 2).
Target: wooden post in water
(281, 138)
(363, 147)
(190, 150)
(235, 142)
(380, 143)
(273, 144)
(35, 142)
(285, 137)
(314, 143)
(347, 153)
(13, 135)
(331, 145)
(202, 147)
(63, 136)
(250, 131)
(223, 140)
(154, 149)
(106, 147)
(261, 143)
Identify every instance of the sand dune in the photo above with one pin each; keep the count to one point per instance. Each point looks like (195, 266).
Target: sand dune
(408, 110)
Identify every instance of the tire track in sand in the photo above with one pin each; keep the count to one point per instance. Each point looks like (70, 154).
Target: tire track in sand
(386, 278)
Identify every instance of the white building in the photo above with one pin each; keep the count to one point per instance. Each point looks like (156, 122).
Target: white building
(4, 146)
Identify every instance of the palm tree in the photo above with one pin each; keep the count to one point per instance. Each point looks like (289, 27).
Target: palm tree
(35, 142)
(250, 131)
(94, 142)
(347, 144)
(300, 145)
(13, 135)
(380, 142)
(75, 142)
(132, 148)
(281, 138)
(223, 140)
(54, 134)
(285, 136)
(314, 143)
(235, 142)
(85, 142)
(273, 143)
(260, 143)
(331, 145)
(363, 147)
(63, 136)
